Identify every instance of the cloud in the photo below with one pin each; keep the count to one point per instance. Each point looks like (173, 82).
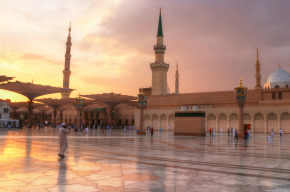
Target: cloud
(214, 42)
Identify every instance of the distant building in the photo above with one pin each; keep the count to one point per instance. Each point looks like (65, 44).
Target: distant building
(5, 122)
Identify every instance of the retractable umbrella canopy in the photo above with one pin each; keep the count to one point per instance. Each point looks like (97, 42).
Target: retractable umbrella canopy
(111, 99)
(55, 103)
(17, 105)
(31, 90)
(3, 78)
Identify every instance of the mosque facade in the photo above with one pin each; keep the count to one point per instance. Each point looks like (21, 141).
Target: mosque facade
(266, 107)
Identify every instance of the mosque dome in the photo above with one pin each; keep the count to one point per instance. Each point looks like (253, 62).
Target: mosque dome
(279, 75)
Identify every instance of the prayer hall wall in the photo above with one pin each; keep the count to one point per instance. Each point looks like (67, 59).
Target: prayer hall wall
(190, 123)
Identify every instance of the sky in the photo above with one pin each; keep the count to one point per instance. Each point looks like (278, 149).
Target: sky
(214, 42)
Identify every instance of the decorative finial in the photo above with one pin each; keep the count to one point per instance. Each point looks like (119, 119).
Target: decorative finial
(160, 9)
(79, 95)
(257, 54)
(69, 27)
(241, 85)
(142, 90)
(279, 65)
(177, 65)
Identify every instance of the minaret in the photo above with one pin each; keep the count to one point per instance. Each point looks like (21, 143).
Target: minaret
(159, 68)
(176, 79)
(66, 72)
(258, 74)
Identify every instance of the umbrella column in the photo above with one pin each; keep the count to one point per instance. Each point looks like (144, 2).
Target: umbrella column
(78, 104)
(54, 116)
(60, 117)
(108, 115)
(43, 117)
(30, 108)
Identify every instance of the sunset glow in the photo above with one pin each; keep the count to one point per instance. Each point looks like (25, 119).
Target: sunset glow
(112, 43)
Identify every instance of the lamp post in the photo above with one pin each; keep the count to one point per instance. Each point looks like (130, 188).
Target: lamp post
(241, 93)
(78, 104)
(142, 101)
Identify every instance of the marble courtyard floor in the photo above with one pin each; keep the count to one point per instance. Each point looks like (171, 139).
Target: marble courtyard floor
(126, 162)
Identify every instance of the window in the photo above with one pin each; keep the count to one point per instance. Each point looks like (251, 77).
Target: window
(273, 95)
(277, 87)
(280, 95)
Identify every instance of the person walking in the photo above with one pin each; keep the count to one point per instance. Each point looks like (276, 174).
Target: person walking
(210, 131)
(272, 133)
(221, 129)
(152, 130)
(63, 131)
(236, 135)
(281, 132)
(87, 129)
(213, 132)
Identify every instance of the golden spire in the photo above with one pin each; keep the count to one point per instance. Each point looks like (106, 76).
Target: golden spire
(142, 91)
(241, 85)
(279, 65)
(176, 65)
(160, 9)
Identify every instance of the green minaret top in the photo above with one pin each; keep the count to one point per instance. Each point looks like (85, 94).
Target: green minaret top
(160, 31)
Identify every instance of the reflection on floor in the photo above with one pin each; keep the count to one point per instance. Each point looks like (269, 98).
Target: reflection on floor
(121, 161)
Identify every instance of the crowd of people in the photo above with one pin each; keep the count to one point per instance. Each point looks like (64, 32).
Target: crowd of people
(247, 133)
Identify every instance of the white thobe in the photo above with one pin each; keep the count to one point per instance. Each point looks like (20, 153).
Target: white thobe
(63, 139)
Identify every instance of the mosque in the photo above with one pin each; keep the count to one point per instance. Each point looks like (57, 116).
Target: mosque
(266, 107)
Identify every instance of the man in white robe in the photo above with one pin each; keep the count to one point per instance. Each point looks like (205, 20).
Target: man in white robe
(63, 131)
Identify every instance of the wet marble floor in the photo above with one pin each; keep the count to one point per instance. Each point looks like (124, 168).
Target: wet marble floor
(124, 162)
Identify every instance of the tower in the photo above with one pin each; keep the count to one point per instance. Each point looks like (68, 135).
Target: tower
(159, 68)
(258, 74)
(176, 79)
(66, 72)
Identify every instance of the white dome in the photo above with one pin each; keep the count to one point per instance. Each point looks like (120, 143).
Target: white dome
(279, 75)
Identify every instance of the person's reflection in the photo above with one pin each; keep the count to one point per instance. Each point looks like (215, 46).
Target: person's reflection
(62, 171)
(28, 146)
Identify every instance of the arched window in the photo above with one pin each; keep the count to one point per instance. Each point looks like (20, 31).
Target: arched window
(273, 95)
(280, 95)
(277, 87)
